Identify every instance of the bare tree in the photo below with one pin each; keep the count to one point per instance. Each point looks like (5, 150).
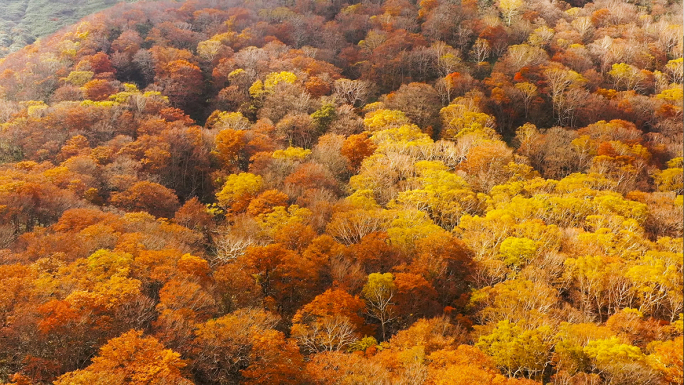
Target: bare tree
(328, 334)
(351, 91)
(481, 50)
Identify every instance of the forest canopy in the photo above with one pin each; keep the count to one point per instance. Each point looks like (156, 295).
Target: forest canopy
(328, 192)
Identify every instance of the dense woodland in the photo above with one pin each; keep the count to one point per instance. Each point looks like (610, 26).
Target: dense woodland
(322, 192)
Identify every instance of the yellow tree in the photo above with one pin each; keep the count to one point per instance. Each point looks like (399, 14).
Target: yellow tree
(238, 190)
(591, 278)
(628, 77)
(569, 355)
(657, 280)
(672, 178)
(462, 117)
(675, 68)
(443, 195)
(524, 302)
(379, 293)
(510, 9)
(518, 352)
(620, 363)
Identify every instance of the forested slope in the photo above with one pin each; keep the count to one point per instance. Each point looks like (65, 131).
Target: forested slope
(323, 192)
(23, 21)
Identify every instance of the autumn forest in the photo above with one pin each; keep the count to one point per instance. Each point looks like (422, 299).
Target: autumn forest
(352, 192)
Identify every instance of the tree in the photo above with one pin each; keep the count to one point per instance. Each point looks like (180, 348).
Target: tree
(656, 281)
(381, 119)
(284, 275)
(528, 92)
(266, 202)
(131, 358)
(309, 176)
(485, 163)
(128, 42)
(675, 69)
(409, 287)
(510, 9)
(79, 78)
(229, 146)
(619, 362)
(593, 277)
(517, 251)
(569, 355)
(317, 86)
(558, 152)
(467, 365)
(351, 91)
(671, 179)
(324, 116)
(100, 63)
(147, 196)
(222, 346)
(522, 55)
(273, 360)
(182, 82)
(374, 252)
(183, 303)
(98, 89)
(194, 215)
(210, 50)
(481, 50)
(298, 129)
(339, 368)
(379, 293)
(518, 351)
(441, 194)
(462, 117)
(260, 89)
(560, 81)
(668, 358)
(629, 77)
(295, 236)
(520, 301)
(351, 226)
(228, 120)
(430, 335)
(446, 262)
(238, 190)
(419, 101)
(330, 333)
(331, 302)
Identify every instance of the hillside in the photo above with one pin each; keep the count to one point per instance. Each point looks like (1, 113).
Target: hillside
(327, 192)
(23, 21)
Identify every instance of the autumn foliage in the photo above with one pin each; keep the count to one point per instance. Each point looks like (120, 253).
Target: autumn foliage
(325, 192)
